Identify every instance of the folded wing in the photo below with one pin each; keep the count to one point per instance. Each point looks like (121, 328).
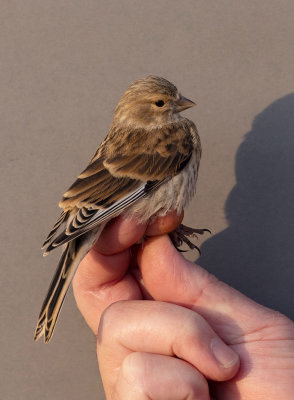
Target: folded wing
(120, 174)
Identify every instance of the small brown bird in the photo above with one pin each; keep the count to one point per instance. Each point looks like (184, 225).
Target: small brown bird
(146, 167)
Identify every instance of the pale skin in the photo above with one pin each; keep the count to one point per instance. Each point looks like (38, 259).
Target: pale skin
(158, 318)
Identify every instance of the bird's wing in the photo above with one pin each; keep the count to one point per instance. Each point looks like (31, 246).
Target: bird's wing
(120, 173)
(150, 155)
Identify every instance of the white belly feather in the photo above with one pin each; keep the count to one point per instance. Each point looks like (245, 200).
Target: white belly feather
(175, 194)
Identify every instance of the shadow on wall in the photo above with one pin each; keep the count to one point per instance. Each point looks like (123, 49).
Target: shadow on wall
(255, 254)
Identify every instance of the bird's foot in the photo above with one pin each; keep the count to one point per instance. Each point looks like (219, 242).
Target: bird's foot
(183, 233)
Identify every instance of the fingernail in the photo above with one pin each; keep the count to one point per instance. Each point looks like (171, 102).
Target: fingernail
(223, 354)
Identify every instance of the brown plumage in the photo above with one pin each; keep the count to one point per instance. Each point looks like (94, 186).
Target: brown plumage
(146, 166)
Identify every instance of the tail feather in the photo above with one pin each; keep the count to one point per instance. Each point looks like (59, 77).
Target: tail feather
(56, 293)
(71, 257)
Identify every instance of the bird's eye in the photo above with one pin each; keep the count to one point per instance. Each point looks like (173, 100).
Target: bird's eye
(159, 103)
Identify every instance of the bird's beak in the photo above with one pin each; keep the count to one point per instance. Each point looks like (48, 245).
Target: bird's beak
(183, 104)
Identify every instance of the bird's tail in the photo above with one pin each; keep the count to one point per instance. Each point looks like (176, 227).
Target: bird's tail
(70, 259)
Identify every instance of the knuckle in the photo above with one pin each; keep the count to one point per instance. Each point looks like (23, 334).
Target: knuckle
(109, 321)
(134, 367)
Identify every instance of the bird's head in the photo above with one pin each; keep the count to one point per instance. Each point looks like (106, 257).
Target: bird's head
(150, 102)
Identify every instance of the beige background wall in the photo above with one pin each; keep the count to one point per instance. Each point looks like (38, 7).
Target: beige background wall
(64, 64)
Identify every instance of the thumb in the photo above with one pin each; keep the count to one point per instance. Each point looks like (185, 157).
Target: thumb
(169, 277)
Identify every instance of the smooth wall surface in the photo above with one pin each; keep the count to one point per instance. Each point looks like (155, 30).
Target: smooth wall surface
(64, 65)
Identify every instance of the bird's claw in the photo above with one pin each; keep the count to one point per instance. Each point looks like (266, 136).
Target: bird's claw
(181, 235)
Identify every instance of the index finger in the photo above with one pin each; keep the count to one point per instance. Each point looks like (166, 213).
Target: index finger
(103, 277)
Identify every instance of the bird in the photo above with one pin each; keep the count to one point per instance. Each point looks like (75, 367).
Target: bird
(146, 167)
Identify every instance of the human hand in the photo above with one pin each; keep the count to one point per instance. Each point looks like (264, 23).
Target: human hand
(138, 340)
